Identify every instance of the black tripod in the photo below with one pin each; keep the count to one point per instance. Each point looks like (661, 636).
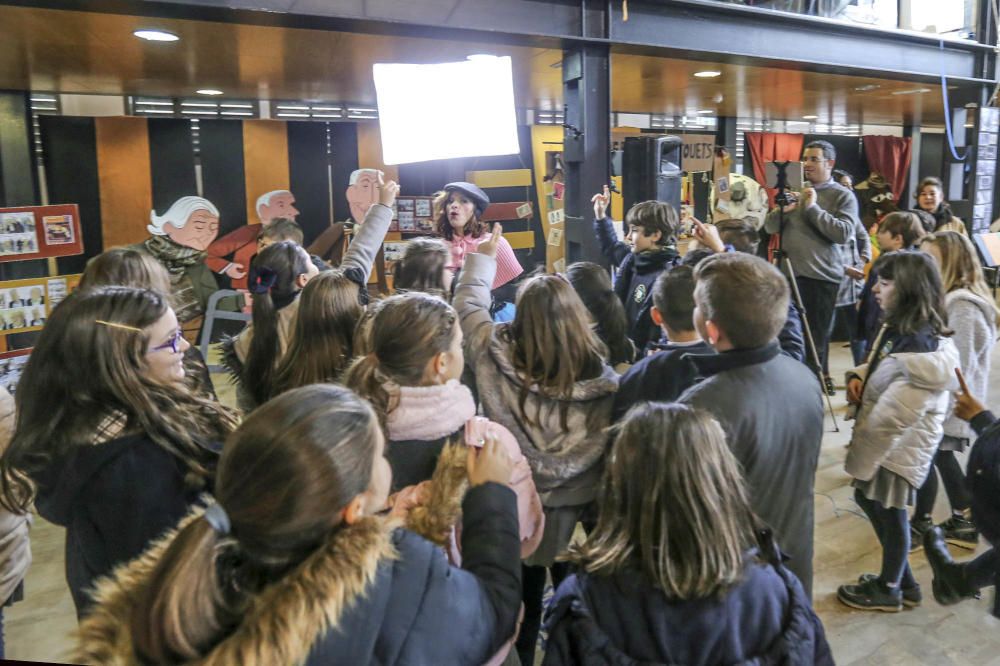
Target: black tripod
(781, 257)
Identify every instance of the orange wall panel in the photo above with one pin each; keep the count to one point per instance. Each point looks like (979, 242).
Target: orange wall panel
(370, 151)
(123, 173)
(265, 160)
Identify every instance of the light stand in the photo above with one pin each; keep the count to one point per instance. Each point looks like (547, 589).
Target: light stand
(780, 256)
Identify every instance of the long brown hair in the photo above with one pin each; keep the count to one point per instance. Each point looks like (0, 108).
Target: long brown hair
(592, 284)
(552, 343)
(673, 505)
(126, 267)
(284, 478)
(322, 342)
(406, 332)
(422, 266)
(473, 228)
(960, 268)
(272, 280)
(89, 365)
(918, 296)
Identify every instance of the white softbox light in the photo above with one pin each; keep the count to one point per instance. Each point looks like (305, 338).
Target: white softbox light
(452, 109)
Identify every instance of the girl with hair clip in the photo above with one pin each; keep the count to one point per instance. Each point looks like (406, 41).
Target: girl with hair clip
(109, 443)
(428, 415)
(676, 537)
(424, 267)
(128, 267)
(312, 574)
(972, 315)
(457, 212)
(544, 378)
(592, 284)
(902, 397)
(277, 276)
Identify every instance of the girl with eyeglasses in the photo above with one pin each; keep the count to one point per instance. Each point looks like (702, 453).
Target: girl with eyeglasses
(109, 441)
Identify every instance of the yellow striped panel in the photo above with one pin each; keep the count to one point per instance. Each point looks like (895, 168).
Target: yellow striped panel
(500, 178)
(520, 240)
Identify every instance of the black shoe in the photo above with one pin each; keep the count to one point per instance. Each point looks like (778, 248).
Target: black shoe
(912, 596)
(917, 528)
(828, 385)
(871, 595)
(960, 532)
(949, 584)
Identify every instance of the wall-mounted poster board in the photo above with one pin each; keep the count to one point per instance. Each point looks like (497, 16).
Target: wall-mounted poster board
(25, 304)
(11, 365)
(40, 232)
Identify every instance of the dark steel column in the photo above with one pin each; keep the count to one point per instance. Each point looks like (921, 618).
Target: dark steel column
(586, 144)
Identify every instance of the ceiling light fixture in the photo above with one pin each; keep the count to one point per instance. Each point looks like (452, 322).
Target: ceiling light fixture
(705, 111)
(915, 91)
(156, 35)
(868, 87)
(809, 117)
(209, 91)
(708, 74)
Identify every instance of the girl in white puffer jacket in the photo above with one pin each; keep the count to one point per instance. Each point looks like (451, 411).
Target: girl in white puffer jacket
(903, 395)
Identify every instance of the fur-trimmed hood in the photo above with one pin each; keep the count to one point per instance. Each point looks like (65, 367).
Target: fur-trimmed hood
(282, 622)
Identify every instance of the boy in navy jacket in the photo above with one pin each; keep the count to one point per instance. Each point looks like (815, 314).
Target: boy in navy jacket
(652, 229)
(665, 374)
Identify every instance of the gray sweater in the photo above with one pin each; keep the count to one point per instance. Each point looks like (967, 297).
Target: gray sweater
(974, 321)
(813, 234)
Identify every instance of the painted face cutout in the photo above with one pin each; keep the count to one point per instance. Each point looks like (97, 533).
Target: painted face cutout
(362, 194)
(282, 205)
(201, 229)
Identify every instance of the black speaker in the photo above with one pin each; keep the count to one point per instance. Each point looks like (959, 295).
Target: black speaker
(651, 169)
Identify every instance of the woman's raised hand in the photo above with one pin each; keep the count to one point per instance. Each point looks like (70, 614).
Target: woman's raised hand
(601, 202)
(387, 191)
(489, 246)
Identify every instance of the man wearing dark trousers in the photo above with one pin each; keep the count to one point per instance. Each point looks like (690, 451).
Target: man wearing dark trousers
(819, 219)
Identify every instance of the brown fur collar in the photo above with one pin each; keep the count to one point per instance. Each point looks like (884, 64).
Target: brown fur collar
(434, 518)
(281, 623)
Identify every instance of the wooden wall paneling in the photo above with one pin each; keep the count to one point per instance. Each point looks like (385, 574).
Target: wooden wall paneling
(222, 169)
(370, 151)
(344, 159)
(265, 157)
(171, 161)
(123, 174)
(69, 146)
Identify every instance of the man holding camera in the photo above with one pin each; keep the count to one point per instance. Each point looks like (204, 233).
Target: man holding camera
(816, 222)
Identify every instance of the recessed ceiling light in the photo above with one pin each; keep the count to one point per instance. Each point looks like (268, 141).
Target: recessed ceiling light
(867, 87)
(809, 117)
(705, 111)
(209, 91)
(915, 91)
(708, 74)
(156, 35)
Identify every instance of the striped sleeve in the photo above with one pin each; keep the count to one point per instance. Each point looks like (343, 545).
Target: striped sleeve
(508, 267)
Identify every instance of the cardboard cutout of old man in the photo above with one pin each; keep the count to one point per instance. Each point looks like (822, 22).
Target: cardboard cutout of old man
(362, 192)
(231, 254)
(179, 239)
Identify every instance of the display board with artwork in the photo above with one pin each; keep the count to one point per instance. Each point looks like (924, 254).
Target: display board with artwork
(39, 232)
(412, 215)
(25, 304)
(11, 366)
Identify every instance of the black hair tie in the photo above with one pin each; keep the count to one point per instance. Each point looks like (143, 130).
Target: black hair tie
(262, 281)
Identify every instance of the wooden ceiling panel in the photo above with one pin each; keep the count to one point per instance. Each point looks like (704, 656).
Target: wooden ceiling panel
(87, 52)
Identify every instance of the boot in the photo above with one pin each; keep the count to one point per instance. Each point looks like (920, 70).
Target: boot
(949, 585)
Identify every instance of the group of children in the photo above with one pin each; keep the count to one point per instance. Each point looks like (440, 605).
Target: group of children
(405, 474)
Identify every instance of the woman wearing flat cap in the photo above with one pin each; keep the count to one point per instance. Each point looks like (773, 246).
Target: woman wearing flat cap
(458, 210)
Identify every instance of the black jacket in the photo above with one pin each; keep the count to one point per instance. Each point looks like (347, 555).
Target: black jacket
(636, 275)
(623, 620)
(772, 411)
(662, 377)
(113, 499)
(983, 477)
(421, 610)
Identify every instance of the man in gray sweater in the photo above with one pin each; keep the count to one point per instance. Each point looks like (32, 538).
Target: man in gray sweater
(821, 218)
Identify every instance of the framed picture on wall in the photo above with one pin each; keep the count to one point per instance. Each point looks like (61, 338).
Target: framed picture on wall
(422, 207)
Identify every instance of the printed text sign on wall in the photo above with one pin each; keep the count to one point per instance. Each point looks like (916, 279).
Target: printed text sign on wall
(697, 152)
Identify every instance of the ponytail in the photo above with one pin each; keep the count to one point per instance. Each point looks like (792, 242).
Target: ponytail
(365, 378)
(183, 610)
(272, 282)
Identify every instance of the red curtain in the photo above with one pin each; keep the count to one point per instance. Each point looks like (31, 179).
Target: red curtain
(890, 156)
(769, 147)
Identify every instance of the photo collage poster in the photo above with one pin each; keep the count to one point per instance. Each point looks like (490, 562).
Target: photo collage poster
(393, 253)
(25, 304)
(413, 215)
(17, 234)
(11, 366)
